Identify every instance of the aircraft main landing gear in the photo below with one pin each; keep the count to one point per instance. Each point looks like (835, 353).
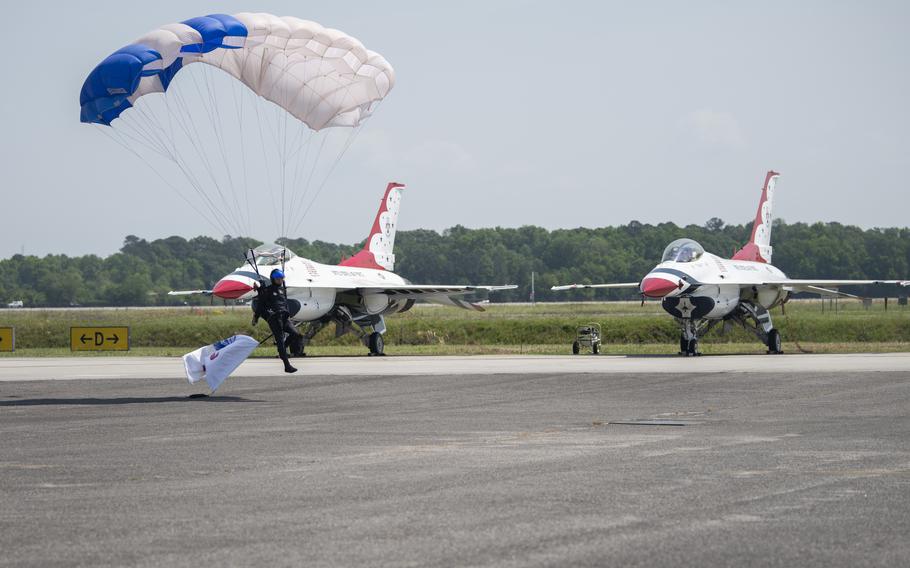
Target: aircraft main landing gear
(774, 343)
(376, 344)
(757, 319)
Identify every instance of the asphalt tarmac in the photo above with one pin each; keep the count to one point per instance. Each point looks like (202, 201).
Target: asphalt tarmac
(557, 465)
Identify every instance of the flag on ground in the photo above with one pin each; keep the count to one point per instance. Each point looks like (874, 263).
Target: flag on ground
(217, 361)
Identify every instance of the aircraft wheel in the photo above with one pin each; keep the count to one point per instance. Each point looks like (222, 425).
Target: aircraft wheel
(774, 342)
(683, 345)
(692, 348)
(377, 344)
(595, 348)
(576, 348)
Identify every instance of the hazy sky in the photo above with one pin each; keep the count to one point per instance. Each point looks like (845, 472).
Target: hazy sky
(559, 114)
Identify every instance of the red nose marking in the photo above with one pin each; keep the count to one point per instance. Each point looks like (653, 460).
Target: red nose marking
(655, 287)
(230, 289)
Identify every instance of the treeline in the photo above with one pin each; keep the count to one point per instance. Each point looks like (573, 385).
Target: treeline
(144, 271)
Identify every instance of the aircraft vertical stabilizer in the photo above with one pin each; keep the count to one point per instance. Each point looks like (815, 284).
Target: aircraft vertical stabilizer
(758, 249)
(378, 252)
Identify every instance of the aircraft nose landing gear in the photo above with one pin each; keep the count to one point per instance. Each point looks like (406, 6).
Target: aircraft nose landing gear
(688, 340)
(688, 347)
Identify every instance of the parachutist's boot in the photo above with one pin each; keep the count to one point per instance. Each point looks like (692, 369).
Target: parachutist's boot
(288, 368)
(297, 347)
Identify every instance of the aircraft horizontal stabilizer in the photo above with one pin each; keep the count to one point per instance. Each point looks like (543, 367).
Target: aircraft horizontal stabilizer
(584, 286)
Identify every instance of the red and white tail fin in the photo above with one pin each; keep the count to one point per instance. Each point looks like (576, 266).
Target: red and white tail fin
(378, 251)
(758, 249)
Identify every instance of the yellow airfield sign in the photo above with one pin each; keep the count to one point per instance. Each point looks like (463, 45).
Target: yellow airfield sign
(7, 338)
(103, 338)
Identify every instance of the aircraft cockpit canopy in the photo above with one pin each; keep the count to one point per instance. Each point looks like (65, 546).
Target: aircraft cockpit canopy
(683, 250)
(272, 254)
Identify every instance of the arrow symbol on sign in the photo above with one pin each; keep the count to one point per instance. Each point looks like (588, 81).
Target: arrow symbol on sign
(115, 339)
(84, 339)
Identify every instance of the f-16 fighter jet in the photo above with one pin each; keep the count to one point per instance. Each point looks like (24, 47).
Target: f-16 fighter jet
(355, 294)
(700, 289)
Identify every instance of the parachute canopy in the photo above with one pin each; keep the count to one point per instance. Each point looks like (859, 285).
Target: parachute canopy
(322, 76)
(268, 117)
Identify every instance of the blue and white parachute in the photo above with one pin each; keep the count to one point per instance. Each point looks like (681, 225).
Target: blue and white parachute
(317, 77)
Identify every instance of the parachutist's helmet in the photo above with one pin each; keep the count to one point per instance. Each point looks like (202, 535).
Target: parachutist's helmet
(276, 274)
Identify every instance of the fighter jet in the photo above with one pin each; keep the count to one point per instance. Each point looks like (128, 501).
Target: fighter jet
(700, 289)
(355, 294)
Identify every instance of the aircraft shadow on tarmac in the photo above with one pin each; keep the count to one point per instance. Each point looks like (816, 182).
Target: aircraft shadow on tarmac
(118, 400)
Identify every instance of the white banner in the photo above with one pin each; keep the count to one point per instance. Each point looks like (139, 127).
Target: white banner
(217, 361)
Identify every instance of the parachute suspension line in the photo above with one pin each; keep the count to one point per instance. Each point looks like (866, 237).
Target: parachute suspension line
(292, 147)
(213, 114)
(188, 122)
(351, 138)
(240, 120)
(228, 163)
(238, 107)
(137, 138)
(111, 134)
(156, 132)
(298, 170)
(218, 127)
(192, 178)
(265, 160)
(305, 136)
(309, 178)
(194, 182)
(283, 127)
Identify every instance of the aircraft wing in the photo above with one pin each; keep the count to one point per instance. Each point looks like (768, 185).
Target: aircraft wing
(189, 292)
(583, 286)
(821, 291)
(445, 295)
(833, 283)
(828, 287)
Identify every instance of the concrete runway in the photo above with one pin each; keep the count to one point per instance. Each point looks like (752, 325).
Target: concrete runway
(507, 461)
(77, 368)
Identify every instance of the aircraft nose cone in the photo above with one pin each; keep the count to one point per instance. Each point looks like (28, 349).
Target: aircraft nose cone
(657, 287)
(230, 289)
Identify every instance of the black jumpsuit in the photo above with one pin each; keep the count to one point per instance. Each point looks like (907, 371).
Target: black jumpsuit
(272, 305)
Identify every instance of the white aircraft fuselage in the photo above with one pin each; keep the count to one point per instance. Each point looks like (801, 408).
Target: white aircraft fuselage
(711, 287)
(355, 294)
(313, 288)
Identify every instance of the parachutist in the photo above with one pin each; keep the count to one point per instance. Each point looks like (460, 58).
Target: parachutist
(272, 304)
